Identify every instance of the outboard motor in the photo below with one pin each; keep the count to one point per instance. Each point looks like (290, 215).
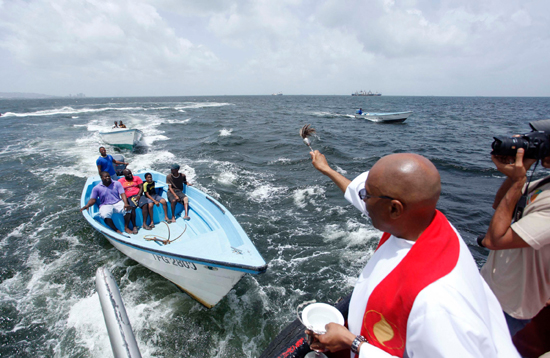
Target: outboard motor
(119, 167)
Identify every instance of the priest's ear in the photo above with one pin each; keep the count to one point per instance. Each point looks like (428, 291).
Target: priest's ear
(396, 209)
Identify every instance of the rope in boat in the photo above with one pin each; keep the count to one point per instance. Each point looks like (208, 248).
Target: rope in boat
(165, 241)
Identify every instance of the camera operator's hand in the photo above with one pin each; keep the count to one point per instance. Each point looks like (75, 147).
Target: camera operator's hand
(514, 168)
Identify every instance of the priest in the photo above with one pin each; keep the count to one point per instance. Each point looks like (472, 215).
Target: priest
(420, 294)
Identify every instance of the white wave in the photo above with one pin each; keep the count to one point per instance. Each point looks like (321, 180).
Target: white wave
(148, 140)
(197, 105)
(327, 114)
(177, 121)
(303, 197)
(69, 110)
(265, 192)
(280, 160)
(147, 161)
(225, 132)
(227, 178)
(340, 170)
(86, 318)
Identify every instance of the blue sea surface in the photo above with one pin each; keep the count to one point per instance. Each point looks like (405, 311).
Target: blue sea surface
(246, 152)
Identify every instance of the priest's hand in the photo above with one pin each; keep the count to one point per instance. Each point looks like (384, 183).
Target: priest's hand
(319, 161)
(336, 338)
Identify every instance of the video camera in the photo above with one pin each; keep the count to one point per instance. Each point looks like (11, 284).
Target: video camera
(536, 143)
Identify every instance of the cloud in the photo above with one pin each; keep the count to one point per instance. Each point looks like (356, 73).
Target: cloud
(100, 38)
(181, 47)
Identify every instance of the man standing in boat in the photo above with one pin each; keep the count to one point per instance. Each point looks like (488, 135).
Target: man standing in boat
(105, 163)
(518, 266)
(420, 294)
(133, 188)
(112, 199)
(175, 181)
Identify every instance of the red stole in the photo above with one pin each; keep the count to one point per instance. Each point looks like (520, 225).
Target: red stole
(433, 256)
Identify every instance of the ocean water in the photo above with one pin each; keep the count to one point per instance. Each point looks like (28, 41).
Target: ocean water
(246, 152)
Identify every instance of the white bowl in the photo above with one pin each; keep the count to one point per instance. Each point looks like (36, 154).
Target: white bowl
(317, 315)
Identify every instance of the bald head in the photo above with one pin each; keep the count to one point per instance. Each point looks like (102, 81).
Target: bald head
(409, 177)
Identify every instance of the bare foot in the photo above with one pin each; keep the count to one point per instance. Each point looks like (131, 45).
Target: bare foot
(128, 231)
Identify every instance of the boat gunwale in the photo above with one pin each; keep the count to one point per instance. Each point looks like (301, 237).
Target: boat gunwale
(122, 131)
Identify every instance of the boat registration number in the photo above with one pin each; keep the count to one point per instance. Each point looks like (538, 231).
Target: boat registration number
(179, 263)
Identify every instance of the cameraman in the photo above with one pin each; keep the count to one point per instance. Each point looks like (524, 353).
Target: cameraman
(518, 266)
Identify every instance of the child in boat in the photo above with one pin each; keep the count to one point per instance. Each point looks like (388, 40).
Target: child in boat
(149, 199)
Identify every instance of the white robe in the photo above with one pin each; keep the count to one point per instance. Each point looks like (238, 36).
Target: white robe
(455, 316)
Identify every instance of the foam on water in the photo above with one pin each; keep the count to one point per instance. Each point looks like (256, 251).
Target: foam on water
(266, 192)
(227, 178)
(323, 114)
(177, 121)
(280, 161)
(68, 110)
(225, 132)
(198, 105)
(303, 197)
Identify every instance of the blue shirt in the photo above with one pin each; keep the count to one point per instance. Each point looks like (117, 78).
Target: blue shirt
(106, 164)
(108, 195)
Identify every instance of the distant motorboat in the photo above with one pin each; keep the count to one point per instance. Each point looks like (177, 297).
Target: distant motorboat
(122, 137)
(393, 117)
(363, 93)
(277, 94)
(205, 256)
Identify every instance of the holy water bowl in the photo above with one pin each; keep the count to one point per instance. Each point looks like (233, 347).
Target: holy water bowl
(317, 315)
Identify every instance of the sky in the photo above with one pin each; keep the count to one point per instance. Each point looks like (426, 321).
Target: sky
(106, 48)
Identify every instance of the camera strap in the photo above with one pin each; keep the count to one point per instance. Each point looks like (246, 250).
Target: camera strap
(522, 202)
(520, 206)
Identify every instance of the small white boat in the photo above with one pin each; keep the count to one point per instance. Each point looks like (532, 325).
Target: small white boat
(122, 137)
(205, 256)
(394, 117)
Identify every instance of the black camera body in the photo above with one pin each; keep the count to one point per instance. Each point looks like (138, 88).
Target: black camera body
(536, 143)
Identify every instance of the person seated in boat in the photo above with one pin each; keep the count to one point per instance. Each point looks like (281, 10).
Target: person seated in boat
(420, 294)
(133, 188)
(112, 199)
(359, 111)
(150, 199)
(121, 125)
(105, 163)
(116, 125)
(175, 181)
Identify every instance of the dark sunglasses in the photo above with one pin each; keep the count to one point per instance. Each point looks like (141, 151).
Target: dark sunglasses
(364, 195)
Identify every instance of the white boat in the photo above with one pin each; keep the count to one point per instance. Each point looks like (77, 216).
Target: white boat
(122, 137)
(206, 256)
(394, 117)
